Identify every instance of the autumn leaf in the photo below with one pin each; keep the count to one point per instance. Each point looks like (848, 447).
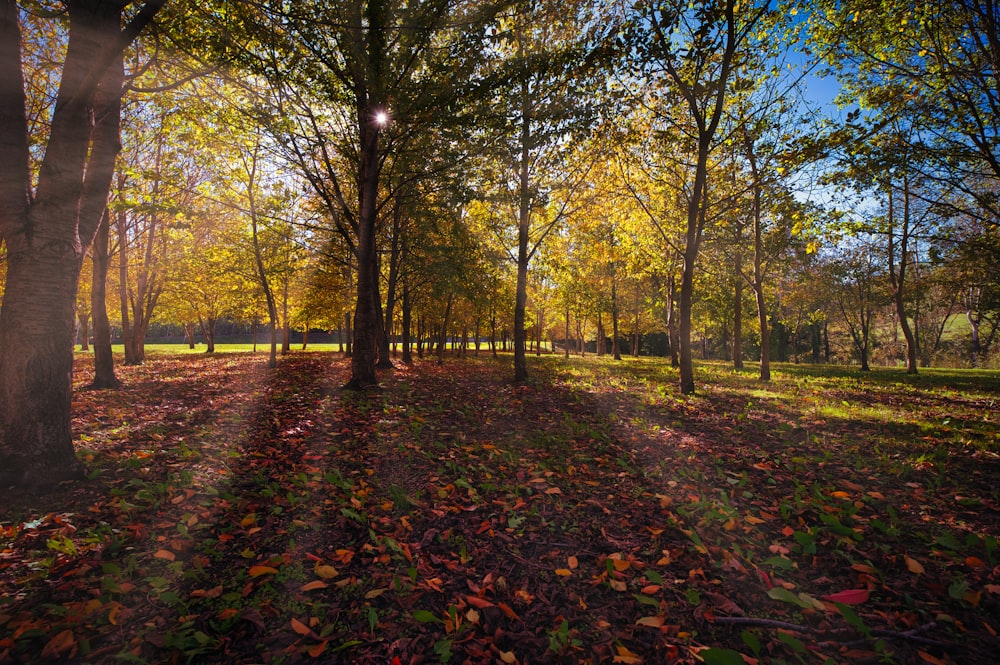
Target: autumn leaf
(315, 584)
(326, 572)
(62, 643)
(257, 571)
(166, 555)
(652, 622)
(913, 565)
(849, 597)
(626, 656)
(300, 627)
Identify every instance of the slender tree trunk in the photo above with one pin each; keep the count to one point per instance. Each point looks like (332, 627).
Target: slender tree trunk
(672, 333)
(897, 274)
(616, 347)
(104, 368)
(567, 330)
(83, 329)
(286, 328)
(407, 322)
(601, 350)
(738, 312)
(636, 334)
(189, 334)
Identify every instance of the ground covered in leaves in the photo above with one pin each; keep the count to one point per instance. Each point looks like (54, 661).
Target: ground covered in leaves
(237, 514)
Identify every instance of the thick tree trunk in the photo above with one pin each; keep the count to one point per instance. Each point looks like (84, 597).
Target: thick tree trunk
(104, 368)
(364, 353)
(37, 325)
(47, 235)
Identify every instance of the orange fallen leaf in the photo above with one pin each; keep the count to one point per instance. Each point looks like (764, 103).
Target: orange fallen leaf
(651, 622)
(564, 572)
(257, 571)
(928, 658)
(315, 584)
(165, 554)
(913, 565)
(300, 627)
(60, 644)
(317, 650)
(476, 601)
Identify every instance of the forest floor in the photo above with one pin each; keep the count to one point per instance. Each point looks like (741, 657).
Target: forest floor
(237, 514)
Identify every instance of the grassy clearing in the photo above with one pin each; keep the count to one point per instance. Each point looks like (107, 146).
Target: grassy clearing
(592, 515)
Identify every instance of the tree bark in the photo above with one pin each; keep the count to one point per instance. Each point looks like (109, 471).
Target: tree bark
(47, 235)
(104, 368)
(738, 312)
(523, 230)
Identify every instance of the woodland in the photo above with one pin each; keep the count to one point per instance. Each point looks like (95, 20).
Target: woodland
(593, 331)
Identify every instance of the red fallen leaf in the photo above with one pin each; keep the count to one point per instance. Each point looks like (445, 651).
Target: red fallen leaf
(849, 597)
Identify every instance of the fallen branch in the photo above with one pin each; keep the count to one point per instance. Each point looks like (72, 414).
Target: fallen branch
(912, 635)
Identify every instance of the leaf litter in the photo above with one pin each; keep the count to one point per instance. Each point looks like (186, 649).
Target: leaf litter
(241, 515)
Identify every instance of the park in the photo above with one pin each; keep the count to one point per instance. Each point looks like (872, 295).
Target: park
(507, 331)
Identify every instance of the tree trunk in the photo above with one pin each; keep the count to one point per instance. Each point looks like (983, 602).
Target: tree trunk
(566, 351)
(47, 235)
(364, 353)
(407, 322)
(635, 334)
(738, 312)
(208, 332)
(189, 334)
(286, 328)
(897, 274)
(523, 230)
(616, 347)
(83, 329)
(104, 368)
(672, 333)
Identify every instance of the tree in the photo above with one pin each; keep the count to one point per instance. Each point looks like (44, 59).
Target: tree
(691, 51)
(48, 222)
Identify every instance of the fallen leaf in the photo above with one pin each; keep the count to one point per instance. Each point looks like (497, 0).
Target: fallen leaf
(913, 565)
(257, 571)
(59, 645)
(315, 584)
(928, 658)
(849, 597)
(626, 656)
(326, 572)
(165, 554)
(476, 601)
(317, 650)
(652, 622)
(300, 627)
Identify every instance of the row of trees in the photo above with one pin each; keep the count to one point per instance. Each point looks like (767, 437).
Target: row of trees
(552, 169)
